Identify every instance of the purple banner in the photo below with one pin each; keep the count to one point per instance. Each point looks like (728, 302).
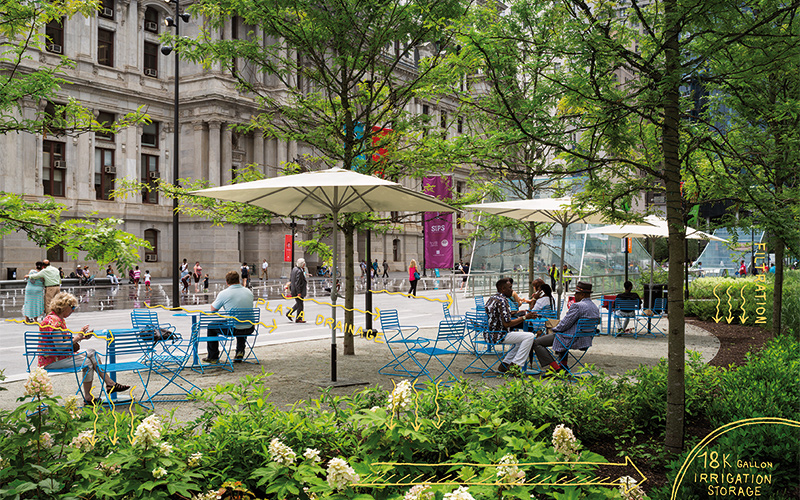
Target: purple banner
(438, 226)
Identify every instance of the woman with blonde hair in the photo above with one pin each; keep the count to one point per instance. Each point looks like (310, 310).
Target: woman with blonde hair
(62, 307)
(413, 277)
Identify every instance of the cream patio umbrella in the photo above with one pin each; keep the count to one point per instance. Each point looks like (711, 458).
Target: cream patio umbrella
(557, 210)
(658, 229)
(333, 191)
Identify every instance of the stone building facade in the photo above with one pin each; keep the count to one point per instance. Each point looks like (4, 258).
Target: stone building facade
(118, 68)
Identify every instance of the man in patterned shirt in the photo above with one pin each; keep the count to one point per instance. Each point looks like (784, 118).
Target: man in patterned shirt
(501, 320)
(582, 308)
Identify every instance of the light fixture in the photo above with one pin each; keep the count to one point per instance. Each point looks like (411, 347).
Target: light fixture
(166, 50)
(169, 22)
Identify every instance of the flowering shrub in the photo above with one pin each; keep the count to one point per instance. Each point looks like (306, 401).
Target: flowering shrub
(629, 489)
(565, 444)
(340, 474)
(462, 493)
(401, 397)
(38, 383)
(508, 471)
(281, 453)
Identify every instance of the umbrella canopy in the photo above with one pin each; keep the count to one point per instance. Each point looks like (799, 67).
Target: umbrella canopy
(658, 229)
(557, 210)
(333, 191)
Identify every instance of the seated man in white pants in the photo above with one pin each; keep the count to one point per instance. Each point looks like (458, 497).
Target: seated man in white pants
(501, 320)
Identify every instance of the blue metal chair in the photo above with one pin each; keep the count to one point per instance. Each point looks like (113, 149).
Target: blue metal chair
(55, 343)
(448, 316)
(250, 317)
(538, 324)
(489, 349)
(480, 303)
(169, 362)
(569, 350)
(138, 347)
(444, 349)
(144, 319)
(629, 309)
(218, 328)
(399, 343)
(658, 310)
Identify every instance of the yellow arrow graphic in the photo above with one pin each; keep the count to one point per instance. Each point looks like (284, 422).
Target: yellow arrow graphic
(743, 317)
(717, 317)
(729, 318)
(388, 478)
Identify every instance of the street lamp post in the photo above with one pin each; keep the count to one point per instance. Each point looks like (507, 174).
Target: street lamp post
(166, 50)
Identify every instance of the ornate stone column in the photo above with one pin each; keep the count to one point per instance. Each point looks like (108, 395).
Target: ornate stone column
(214, 153)
(258, 151)
(227, 154)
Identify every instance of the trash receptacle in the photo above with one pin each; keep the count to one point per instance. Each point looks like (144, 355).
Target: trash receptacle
(11, 273)
(658, 293)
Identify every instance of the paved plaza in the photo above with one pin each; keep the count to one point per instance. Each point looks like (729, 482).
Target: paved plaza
(298, 355)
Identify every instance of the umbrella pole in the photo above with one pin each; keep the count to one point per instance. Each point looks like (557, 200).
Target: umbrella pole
(334, 294)
(560, 270)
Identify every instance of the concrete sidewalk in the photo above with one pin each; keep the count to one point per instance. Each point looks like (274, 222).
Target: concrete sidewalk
(298, 356)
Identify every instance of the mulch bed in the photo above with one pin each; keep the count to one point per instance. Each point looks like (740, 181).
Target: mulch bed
(735, 342)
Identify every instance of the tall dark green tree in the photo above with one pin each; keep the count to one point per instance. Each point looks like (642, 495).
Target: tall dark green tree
(338, 69)
(613, 109)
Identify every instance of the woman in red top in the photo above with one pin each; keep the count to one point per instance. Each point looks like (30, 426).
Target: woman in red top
(61, 307)
(413, 277)
(197, 274)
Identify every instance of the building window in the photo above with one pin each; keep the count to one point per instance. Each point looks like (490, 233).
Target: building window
(54, 121)
(151, 236)
(55, 254)
(151, 20)
(151, 59)
(104, 173)
(460, 125)
(149, 176)
(54, 168)
(54, 30)
(396, 250)
(150, 135)
(106, 9)
(105, 47)
(106, 120)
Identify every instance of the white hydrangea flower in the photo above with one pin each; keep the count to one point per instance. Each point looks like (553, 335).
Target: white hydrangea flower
(312, 454)
(165, 449)
(281, 453)
(375, 408)
(159, 472)
(419, 492)
(629, 489)
(462, 493)
(148, 432)
(3, 463)
(400, 398)
(71, 405)
(38, 383)
(340, 474)
(84, 441)
(508, 472)
(208, 495)
(310, 494)
(194, 459)
(565, 444)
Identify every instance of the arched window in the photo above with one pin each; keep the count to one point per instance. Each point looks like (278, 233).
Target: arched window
(396, 250)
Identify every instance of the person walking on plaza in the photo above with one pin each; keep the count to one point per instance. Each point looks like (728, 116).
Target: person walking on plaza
(235, 296)
(553, 276)
(264, 270)
(137, 275)
(197, 273)
(582, 308)
(298, 288)
(413, 277)
(742, 269)
(385, 269)
(502, 321)
(33, 308)
(147, 281)
(245, 275)
(63, 305)
(465, 272)
(567, 281)
(52, 282)
(375, 269)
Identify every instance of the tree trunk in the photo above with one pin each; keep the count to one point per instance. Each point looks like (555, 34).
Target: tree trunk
(677, 233)
(532, 257)
(777, 291)
(349, 289)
